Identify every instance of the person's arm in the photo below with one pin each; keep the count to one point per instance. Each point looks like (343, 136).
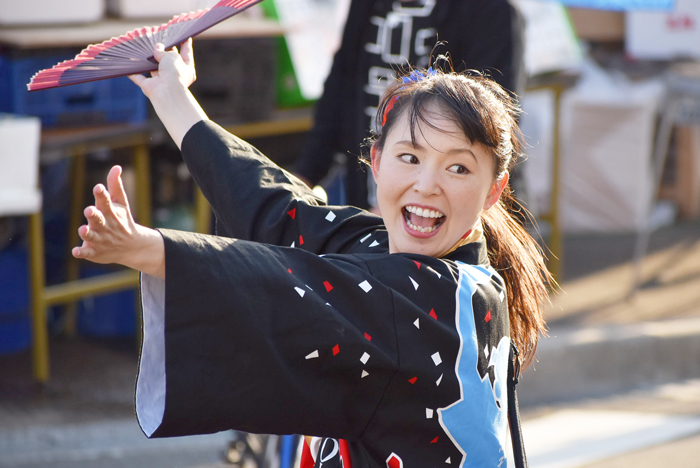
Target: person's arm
(262, 339)
(254, 199)
(112, 236)
(323, 140)
(168, 90)
(326, 136)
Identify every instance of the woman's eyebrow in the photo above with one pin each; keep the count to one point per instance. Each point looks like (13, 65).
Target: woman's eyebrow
(451, 151)
(410, 144)
(463, 150)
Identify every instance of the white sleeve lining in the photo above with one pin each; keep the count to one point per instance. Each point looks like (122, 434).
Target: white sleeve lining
(150, 383)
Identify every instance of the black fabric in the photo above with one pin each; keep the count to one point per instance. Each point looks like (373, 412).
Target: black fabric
(357, 344)
(516, 433)
(480, 34)
(253, 199)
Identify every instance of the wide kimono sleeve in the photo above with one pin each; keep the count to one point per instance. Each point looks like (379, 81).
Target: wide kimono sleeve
(254, 199)
(264, 339)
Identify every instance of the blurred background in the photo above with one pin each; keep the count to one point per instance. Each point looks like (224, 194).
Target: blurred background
(612, 122)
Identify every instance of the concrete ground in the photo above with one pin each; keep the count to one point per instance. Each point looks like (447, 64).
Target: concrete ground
(612, 367)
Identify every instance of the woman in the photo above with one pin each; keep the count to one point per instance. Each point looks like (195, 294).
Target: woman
(387, 338)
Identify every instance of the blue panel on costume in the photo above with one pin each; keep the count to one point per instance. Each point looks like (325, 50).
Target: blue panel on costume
(476, 424)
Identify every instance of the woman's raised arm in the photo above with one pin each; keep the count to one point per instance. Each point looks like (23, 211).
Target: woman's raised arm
(167, 89)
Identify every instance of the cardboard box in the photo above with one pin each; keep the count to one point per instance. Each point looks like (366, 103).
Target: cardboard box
(19, 160)
(598, 25)
(665, 35)
(29, 12)
(607, 133)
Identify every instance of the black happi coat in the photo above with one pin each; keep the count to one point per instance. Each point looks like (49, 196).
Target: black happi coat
(403, 355)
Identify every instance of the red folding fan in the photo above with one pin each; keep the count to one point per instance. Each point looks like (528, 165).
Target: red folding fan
(133, 52)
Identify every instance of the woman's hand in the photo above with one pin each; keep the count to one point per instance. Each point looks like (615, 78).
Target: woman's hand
(175, 70)
(112, 236)
(167, 88)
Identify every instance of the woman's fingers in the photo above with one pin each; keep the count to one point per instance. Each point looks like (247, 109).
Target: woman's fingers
(138, 79)
(96, 220)
(85, 233)
(159, 52)
(187, 52)
(103, 203)
(83, 251)
(116, 187)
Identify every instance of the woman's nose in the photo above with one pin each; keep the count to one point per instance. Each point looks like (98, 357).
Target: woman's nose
(426, 181)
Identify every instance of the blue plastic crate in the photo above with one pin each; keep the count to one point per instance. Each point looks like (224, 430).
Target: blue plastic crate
(106, 101)
(15, 323)
(107, 315)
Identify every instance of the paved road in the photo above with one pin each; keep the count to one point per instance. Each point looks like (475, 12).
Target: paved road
(656, 427)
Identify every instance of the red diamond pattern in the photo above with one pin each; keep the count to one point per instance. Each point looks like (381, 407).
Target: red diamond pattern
(394, 461)
(433, 314)
(336, 350)
(292, 213)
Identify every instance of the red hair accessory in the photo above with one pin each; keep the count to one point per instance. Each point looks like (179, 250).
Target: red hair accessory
(389, 106)
(415, 75)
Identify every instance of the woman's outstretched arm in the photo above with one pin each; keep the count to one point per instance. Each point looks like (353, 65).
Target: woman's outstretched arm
(112, 236)
(167, 89)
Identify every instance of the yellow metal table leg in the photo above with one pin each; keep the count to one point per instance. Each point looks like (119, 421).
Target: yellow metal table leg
(142, 163)
(78, 179)
(202, 212)
(40, 346)
(556, 243)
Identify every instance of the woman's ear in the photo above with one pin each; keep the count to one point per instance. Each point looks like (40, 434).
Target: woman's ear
(496, 190)
(375, 156)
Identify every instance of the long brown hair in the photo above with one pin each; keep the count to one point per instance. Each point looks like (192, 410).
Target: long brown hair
(487, 114)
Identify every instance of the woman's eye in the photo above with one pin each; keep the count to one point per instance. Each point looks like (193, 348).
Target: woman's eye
(458, 169)
(409, 158)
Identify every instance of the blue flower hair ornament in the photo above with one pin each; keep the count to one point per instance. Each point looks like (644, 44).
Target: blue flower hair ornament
(417, 75)
(414, 77)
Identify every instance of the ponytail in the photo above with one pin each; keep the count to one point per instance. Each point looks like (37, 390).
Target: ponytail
(520, 261)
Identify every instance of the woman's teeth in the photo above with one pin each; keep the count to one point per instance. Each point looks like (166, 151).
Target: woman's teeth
(420, 229)
(423, 213)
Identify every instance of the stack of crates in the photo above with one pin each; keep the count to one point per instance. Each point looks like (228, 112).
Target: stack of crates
(236, 78)
(100, 102)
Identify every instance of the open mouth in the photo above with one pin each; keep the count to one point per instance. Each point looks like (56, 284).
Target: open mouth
(422, 220)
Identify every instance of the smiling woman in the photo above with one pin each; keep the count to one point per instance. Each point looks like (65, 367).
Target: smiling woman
(387, 338)
(432, 184)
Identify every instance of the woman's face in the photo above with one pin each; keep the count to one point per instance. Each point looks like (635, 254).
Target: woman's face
(431, 193)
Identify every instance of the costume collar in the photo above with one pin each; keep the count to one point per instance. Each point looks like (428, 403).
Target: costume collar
(473, 235)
